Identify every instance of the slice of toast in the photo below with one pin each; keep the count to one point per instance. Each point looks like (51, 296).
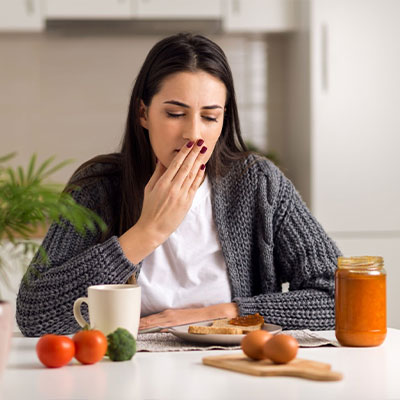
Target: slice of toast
(214, 330)
(245, 329)
(222, 326)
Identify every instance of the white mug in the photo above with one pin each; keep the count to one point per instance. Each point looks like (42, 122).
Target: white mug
(111, 307)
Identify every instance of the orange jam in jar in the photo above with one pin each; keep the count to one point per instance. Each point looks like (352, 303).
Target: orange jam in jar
(360, 301)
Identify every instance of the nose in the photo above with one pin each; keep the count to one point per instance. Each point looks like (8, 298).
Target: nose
(192, 129)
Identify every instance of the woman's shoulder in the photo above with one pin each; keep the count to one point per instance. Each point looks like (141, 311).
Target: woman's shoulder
(102, 167)
(254, 165)
(96, 183)
(254, 173)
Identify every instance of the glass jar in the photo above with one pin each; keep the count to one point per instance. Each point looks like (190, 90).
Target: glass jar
(360, 301)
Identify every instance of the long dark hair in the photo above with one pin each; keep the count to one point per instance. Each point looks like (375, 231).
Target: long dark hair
(136, 162)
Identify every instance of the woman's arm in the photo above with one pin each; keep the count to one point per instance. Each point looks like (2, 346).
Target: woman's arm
(45, 302)
(168, 197)
(48, 290)
(174, 317)
(305, 257)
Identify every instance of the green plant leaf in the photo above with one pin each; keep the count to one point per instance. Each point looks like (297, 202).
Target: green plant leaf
(11, 175)
(7, 157)
(21, 176)
(43, 166)
(31, 168)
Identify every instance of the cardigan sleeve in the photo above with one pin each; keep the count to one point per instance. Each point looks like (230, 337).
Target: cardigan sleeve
(306, 258)
(48, 290)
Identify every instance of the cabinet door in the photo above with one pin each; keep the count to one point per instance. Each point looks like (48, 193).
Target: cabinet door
(88, 9)
(21, 15)
(355, 117)
(259, 15)
(178, 9)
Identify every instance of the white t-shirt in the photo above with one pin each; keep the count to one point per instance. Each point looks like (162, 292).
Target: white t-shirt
(188, 269)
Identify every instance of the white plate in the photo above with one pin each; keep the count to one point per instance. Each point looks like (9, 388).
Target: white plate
(182, 332)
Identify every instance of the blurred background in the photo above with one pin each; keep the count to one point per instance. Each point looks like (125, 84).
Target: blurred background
(317, 83)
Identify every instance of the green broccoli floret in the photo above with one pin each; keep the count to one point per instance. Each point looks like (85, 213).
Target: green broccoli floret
(121, 345)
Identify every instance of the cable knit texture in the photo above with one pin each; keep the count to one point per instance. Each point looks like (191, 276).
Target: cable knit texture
(267, 235)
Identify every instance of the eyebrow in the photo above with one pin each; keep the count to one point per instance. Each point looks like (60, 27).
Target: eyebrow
(179, 103)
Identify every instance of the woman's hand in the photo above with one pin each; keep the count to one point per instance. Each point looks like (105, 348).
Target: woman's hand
(167, 198)
(173, 317)
(169, 193)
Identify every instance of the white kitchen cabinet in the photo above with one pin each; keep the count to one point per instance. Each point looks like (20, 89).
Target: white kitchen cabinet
(127, 9)
(343, 118)
(21, 15)
(178, 9)
(89, 9)
(259, 15)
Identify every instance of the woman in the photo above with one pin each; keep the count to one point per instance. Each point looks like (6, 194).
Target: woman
(207, 229)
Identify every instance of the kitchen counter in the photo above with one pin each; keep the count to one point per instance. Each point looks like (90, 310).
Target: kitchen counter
(369, 373)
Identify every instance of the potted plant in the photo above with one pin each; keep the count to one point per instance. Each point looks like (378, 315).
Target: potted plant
(28, 202)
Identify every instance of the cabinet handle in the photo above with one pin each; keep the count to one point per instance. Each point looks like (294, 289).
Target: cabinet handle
(324, 58)
(30, 7)
(235, 7)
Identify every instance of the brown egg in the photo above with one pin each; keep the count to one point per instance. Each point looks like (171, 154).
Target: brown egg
(253, 344)
(281, 349)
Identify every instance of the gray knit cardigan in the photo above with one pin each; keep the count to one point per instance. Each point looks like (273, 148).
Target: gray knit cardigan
(267, 234)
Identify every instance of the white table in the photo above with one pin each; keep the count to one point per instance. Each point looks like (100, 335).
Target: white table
(369, 373)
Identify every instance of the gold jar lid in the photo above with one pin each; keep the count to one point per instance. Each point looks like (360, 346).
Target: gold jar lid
(361, 262)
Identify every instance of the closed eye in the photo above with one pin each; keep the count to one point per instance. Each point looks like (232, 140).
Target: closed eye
(210, 119)
(178, 115)
(172, 115)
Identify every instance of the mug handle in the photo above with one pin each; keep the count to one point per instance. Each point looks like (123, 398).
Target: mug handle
(77, 311)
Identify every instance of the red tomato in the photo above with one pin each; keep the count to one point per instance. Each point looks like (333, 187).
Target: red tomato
(90, 346)
(54, 350)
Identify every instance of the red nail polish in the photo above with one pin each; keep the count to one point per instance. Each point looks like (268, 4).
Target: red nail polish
(202, 166)
(190, 144)
(200, 142)
(203, 150)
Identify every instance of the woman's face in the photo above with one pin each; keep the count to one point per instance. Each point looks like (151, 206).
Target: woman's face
(188, 107)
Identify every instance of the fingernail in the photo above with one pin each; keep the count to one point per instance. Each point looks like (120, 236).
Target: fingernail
(200, 142)
(202, 166)
(203, 150)
(190, 144)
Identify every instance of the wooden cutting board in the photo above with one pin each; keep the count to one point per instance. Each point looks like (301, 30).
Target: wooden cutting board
(307, 369)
